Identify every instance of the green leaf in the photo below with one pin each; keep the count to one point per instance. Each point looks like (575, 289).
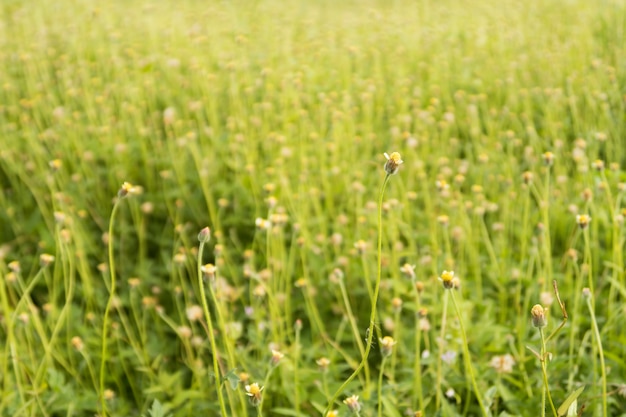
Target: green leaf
(389, 408)
(157, 410)
(232, 378)
(563, 409)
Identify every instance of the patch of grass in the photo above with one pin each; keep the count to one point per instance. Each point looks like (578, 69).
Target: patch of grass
(267, 122)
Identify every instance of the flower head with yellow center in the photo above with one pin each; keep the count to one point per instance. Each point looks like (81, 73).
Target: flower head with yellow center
(583, 220)
(447, 278)
(386, 345)
(393, 163)
(254, 392)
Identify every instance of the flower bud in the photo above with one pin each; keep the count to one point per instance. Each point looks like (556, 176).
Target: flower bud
(538, 316)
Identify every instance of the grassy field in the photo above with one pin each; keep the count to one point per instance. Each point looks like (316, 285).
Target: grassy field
(324, 284)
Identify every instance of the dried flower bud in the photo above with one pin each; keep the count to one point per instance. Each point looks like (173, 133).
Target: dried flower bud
(538, 316)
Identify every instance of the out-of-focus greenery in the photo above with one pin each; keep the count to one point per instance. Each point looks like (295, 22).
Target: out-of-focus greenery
(267, 121)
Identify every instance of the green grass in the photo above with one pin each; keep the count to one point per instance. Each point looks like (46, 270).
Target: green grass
(222, 113)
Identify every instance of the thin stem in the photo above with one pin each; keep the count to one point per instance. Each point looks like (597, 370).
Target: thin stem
(439, 379)
(544, 370)
(207, 316)
(417, 362)
(296, 381)
(466, 355)
(105, 319)
(596, 333)
(380, 386)
(355, 329)
(370, 333)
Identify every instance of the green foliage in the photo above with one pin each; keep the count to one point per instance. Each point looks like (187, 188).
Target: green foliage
(157, 410)
(267, 121)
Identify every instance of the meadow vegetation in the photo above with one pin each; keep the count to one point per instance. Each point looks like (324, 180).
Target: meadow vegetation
(307, 208)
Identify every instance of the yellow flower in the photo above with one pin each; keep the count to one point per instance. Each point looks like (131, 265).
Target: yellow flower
(386, 345)
(254, 392)
(393, 163)
(583, 220)
(447, 277)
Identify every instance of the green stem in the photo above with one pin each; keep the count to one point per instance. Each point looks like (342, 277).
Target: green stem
(207, 316)
(355, 329)
(441, 345)
(466, 355)
(370, 333)
(380, 386)
(544, 370)
(596, 333)
(296, 382)
(105, 319)
(417, 370)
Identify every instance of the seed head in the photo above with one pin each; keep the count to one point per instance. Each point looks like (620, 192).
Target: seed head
(393, 163)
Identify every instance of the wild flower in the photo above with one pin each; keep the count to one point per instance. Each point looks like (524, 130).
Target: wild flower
(386, 345)
(45, 259)
(77, 343)
(447, 279)
(353, 403)
(393, 163)
(254, 391)
(548, 158)
(583, 220)
(276, 357)
(194, 313)
(503, 364)
(408, 270)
